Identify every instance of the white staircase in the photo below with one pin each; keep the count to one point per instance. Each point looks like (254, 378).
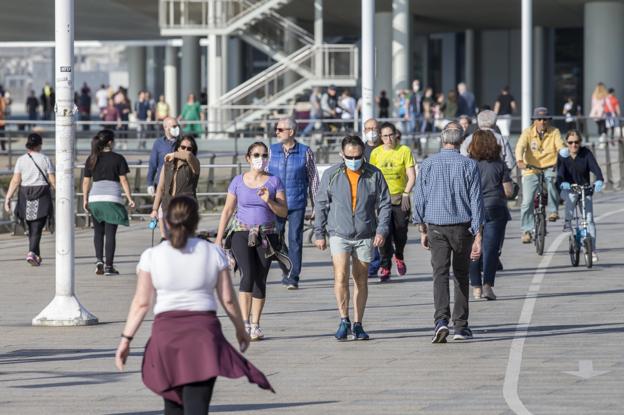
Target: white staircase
(299, 65)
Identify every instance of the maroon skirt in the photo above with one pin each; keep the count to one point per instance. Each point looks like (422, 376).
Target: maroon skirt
(187, 347)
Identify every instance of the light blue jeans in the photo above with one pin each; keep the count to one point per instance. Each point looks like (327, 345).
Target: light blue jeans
(529, 188)
(570, 199)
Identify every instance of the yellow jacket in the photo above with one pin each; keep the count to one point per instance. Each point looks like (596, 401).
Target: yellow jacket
(536, 151)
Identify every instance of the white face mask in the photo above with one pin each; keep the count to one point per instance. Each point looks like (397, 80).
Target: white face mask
(175, 131)
(259, 163)
(371, 136)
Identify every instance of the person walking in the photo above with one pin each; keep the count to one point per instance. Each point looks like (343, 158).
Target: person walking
(396, 162)
(32, 105)
(571, 110)
(104, 177)
(612, 112)
(162, 109)
(258, 198)
(191, 111)
(187, 350)
(316, 113)
(179, 176)
(597, 112)
(371, 135)
(487, 120)
(330, 108)
(84, 106)
(110, 115)
(293, 162)
(573, 167)
(383, 104)
(101, 98)
(353, 208)
(414, 108)
(3, 107)
(161, 147)
(448, 207)
(34, 176)
(466, 103)
(496, 187)
(142, 110)
(504, 107)
(538, 146)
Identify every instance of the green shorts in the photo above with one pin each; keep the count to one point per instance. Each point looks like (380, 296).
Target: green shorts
(361, 249)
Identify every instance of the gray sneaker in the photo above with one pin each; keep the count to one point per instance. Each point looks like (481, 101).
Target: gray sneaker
(488, 292)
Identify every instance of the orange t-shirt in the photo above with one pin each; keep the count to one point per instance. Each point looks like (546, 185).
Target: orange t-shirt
(353, 180)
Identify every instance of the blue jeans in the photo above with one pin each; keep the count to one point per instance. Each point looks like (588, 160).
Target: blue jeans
(493, 235)
(311, 124)
(295, 240)
(570, 199)
(374, 265)
(529, 188)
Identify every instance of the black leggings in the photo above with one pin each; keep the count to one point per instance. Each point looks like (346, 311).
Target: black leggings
(397, 238)
(195, 399)
(35, 228)
(101, 229)
(253, 264)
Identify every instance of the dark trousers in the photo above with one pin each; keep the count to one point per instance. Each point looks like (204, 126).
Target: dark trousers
(195, 399)
(253, 264)
(295, 240)
(450, 245)
(35, 228)
(101, 230)
(397, 238)
(373, 267)
(493, 236)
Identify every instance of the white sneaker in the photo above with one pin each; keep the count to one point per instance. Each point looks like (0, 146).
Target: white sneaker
(248, 328)
(256, 333)
(594, 257)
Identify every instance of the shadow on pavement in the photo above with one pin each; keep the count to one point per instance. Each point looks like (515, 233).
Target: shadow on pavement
(239, 407)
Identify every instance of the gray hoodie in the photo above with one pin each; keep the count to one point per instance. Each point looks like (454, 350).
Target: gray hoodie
(333, 210)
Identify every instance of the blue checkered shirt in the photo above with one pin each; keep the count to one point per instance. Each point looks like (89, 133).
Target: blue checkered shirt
(448, 191)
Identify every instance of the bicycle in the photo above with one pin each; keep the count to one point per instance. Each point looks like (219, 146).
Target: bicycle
(580, 239)
(540, 201)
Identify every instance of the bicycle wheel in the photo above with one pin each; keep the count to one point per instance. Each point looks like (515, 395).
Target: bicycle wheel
(574, 250)
(540, 233)
(587, 252)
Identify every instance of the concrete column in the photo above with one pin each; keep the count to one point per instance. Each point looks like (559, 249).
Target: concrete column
(400, 44)
(527, 61)
(191, 68)
(171, 79)
(449, 73)
(539, 67)
(318, 35)
(469, 60)
(383, 53)
(215, 84)
(368, 59)
(234, 63)
(136, 71)
(604, 60)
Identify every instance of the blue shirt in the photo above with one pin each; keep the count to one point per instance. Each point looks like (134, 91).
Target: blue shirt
(162, 146)
(448, 191)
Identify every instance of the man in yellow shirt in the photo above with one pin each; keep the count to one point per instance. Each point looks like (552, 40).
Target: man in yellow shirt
(396, 162)
(538, 146)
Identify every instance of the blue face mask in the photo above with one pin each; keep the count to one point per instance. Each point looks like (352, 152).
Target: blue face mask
(353, 164)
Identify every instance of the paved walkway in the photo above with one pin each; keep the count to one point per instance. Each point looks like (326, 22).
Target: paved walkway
(552, 343)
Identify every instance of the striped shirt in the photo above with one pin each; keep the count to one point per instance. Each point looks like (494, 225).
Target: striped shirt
(448, 191)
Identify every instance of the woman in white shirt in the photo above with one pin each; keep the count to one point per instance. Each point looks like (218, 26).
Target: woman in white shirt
(34, 176)
(187, 349)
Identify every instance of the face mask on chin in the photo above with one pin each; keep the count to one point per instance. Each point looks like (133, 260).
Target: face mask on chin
(259, 163)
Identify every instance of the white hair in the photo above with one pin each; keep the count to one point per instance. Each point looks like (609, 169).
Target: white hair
(452, 134)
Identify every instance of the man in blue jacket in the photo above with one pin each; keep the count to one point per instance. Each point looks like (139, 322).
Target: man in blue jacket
(162, 146)
(293, 162)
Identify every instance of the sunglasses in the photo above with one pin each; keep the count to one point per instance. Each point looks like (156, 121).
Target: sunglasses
(281, 130)
(189, 148)
(258, 155)
(541, 119)
(574, 142)
(354, 157)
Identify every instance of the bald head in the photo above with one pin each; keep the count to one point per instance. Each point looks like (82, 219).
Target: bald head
(168, 124)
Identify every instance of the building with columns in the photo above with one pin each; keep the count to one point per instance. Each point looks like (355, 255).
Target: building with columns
(176, 47)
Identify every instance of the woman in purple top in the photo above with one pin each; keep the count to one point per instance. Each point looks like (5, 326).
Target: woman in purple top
(257, 197)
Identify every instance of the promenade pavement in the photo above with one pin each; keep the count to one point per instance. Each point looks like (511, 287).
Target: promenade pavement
(551, 344)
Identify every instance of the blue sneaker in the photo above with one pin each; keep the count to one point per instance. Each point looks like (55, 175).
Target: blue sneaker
(440, 332)
(359, 333)
(344, 330)
(462, 334)
(290, 283)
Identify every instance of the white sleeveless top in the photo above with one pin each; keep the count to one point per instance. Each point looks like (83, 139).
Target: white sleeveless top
(184, 279)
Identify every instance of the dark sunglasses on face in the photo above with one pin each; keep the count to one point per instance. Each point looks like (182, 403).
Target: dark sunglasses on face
(541, 119)
(574, 142)
(186, 148)
(258, 155)
(281, 130)
(353, 157)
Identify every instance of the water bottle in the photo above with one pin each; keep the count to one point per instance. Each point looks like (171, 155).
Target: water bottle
(153, 223)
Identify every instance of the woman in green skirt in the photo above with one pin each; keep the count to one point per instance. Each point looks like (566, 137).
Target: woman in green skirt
(191, 111)
(104, 177)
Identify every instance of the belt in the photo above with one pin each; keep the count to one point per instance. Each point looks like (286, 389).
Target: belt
(450, 224)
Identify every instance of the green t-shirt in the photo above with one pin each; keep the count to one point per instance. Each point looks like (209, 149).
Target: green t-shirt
(393, 164)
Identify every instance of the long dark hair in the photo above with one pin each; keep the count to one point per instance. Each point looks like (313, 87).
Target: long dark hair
(99, 142)
(182, 220)
(188, 137)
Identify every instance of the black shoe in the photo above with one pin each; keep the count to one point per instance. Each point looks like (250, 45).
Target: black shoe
(440, 332)
(99, 268)
(110, 271)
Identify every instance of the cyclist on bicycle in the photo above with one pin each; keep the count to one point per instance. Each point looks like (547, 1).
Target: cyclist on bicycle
(573, 167)
(538, 146)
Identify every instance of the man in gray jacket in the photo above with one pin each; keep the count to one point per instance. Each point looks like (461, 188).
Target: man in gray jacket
(353, 208)
(486, 120)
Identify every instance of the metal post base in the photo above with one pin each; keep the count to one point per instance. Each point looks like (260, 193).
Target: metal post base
(64, 311)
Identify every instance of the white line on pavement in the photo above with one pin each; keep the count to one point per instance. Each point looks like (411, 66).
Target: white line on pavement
(512, 374)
